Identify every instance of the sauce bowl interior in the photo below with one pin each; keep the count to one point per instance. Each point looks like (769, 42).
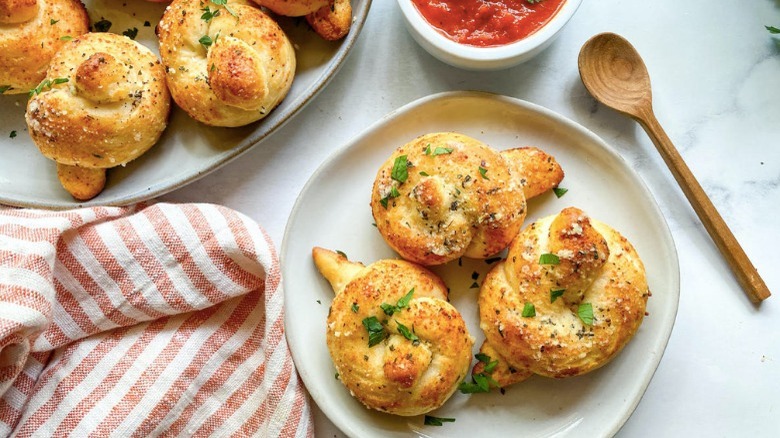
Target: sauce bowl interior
(484, 58)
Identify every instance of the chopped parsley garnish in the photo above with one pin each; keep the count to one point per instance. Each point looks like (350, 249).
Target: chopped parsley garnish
(394, 193)
(206, 41)
(46, 83)
(772, 29)
(408, 334)
(585, 312)
(474, 285)
(66, 38)
(555, 293)
(490, 364)
(342, 253)
(560, 191)
(13, 134)
(376, 331)
(355, 307)
(424, 174)
(438, 151)
(224, 3)
(131, 33)
(480, 382)
(437, 421)
(483, 172)
(474, 275)
(53, 22)
(336, 376)
(402, 303)
(4, 88)
(147, 24)
(400, 172)
(208, 14)
(482, 357)
(102, 25)
(549, 259)
(529, 310)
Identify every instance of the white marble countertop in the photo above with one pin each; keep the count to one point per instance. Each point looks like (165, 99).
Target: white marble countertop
(715, 73)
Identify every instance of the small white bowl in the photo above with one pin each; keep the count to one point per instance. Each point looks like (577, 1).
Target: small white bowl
(484, 58)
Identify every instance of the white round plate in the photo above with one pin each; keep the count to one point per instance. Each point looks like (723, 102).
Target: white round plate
(333, 212)
(187, 150)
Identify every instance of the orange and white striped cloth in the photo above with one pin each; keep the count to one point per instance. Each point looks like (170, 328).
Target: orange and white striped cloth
(148, 320)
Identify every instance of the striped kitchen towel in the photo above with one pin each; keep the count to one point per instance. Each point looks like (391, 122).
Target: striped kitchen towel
(148, 320)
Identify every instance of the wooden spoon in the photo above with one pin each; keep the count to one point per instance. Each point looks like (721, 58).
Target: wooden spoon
(614, 73)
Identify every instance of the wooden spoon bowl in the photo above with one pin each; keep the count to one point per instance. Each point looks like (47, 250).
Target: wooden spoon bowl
(614, 73)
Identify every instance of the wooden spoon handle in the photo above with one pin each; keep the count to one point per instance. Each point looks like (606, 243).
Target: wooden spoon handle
(728, 245)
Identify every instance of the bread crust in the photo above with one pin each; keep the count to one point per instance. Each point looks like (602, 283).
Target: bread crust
(104, 105)
(332, 21)
(229, 70)
(83, 183)
(598, 267)
(398, 375)
(460, 198)
(293, 8)
(31, 32)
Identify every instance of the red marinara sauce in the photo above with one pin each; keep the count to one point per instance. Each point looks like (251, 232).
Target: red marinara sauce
(485, 23)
